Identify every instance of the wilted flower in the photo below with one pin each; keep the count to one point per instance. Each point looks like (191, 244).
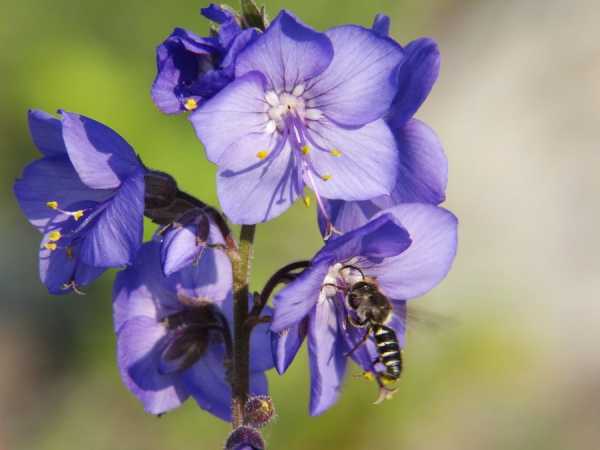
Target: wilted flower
(404, 251)
(306, 108)
(85, 195)
(191, 69)
(173, 334)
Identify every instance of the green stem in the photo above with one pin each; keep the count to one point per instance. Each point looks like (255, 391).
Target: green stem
(241, 333)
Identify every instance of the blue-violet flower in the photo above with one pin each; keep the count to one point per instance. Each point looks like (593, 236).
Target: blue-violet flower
(305, 108)
(405, 250)
(85, 195)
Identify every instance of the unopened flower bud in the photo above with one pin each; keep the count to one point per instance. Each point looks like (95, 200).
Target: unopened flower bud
(245, 438)
(259, 411)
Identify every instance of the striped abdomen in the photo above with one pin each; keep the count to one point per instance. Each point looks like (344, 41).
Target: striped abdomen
(388, 350)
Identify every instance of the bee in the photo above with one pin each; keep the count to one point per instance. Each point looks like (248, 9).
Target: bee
(373, 310)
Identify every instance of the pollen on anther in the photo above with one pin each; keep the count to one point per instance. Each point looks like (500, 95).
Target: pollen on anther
(335, 152)
(262, 154)
(54, 236)
(50, 246)
(77, 214)
(52, 205)
(326, 177)
(305, 149)
(190, 104)
(306, 200)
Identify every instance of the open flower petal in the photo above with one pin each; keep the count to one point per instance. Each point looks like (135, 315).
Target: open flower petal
(288, 53)
(326, 356)
(426, 262)
(366, 167)
(361, 82)
(116, 234)
(139, 349)
(415, 80)
(294, 301)
(46, 133)
(101, 157)
(286, 344)
(261, 191)
(230, 117)
(382, 237)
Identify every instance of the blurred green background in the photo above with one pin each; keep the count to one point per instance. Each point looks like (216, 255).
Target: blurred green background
(511, 359)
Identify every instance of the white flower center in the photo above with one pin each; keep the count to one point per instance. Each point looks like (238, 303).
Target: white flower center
(288, 103)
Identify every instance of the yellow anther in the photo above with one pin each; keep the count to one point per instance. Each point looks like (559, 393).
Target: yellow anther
(262, 154)
(54, 236)
(77, 214)
(70, 252)
(368, 376)
(306, 200)
(52, 205)
(335, 152)
(305, 149)
(51, 246)
(190, 104)
(326, 177)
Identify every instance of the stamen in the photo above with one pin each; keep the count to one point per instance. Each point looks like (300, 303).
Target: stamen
(262, 154)
(305, 149)
(298, 90)
(306, 200)
(77, 214)
(54, 236)
(272, 98)
(335, 152)
(271, 127)
(52, 205)
(313, 114)
(69, 251)
(190, 104)
(326, 177)
(50, 246)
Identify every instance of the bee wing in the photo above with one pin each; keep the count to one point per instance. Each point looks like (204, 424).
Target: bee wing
(418, 317)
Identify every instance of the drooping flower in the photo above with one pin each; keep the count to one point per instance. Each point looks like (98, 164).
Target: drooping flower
(405, 251)
(85, 195)
(305, 108)
(173, 334)
(187, 240)
(422, 170)
(191, 69)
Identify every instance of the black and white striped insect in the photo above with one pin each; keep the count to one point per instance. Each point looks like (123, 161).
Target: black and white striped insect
(373, 310)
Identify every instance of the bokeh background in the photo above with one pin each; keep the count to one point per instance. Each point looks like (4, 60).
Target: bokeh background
(509, 356)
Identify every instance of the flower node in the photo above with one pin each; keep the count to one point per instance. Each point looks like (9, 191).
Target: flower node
(259, 411)
(244, 438)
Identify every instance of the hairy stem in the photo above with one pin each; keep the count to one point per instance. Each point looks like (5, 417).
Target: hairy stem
(241, 334)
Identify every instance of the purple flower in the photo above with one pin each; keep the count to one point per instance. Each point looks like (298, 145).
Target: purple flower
(188, 239)
(173, 333)
(305, 108)
(85, 195)
(405, 250)
(191, 69)
(422, 170)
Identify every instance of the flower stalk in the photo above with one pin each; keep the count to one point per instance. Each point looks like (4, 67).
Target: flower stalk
(241, 261)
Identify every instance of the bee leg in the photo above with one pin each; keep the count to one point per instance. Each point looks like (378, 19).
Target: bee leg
(356, 324)
(385, 393)
(361, 342)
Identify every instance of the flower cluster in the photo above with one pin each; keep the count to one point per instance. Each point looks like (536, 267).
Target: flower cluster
(283, 110)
